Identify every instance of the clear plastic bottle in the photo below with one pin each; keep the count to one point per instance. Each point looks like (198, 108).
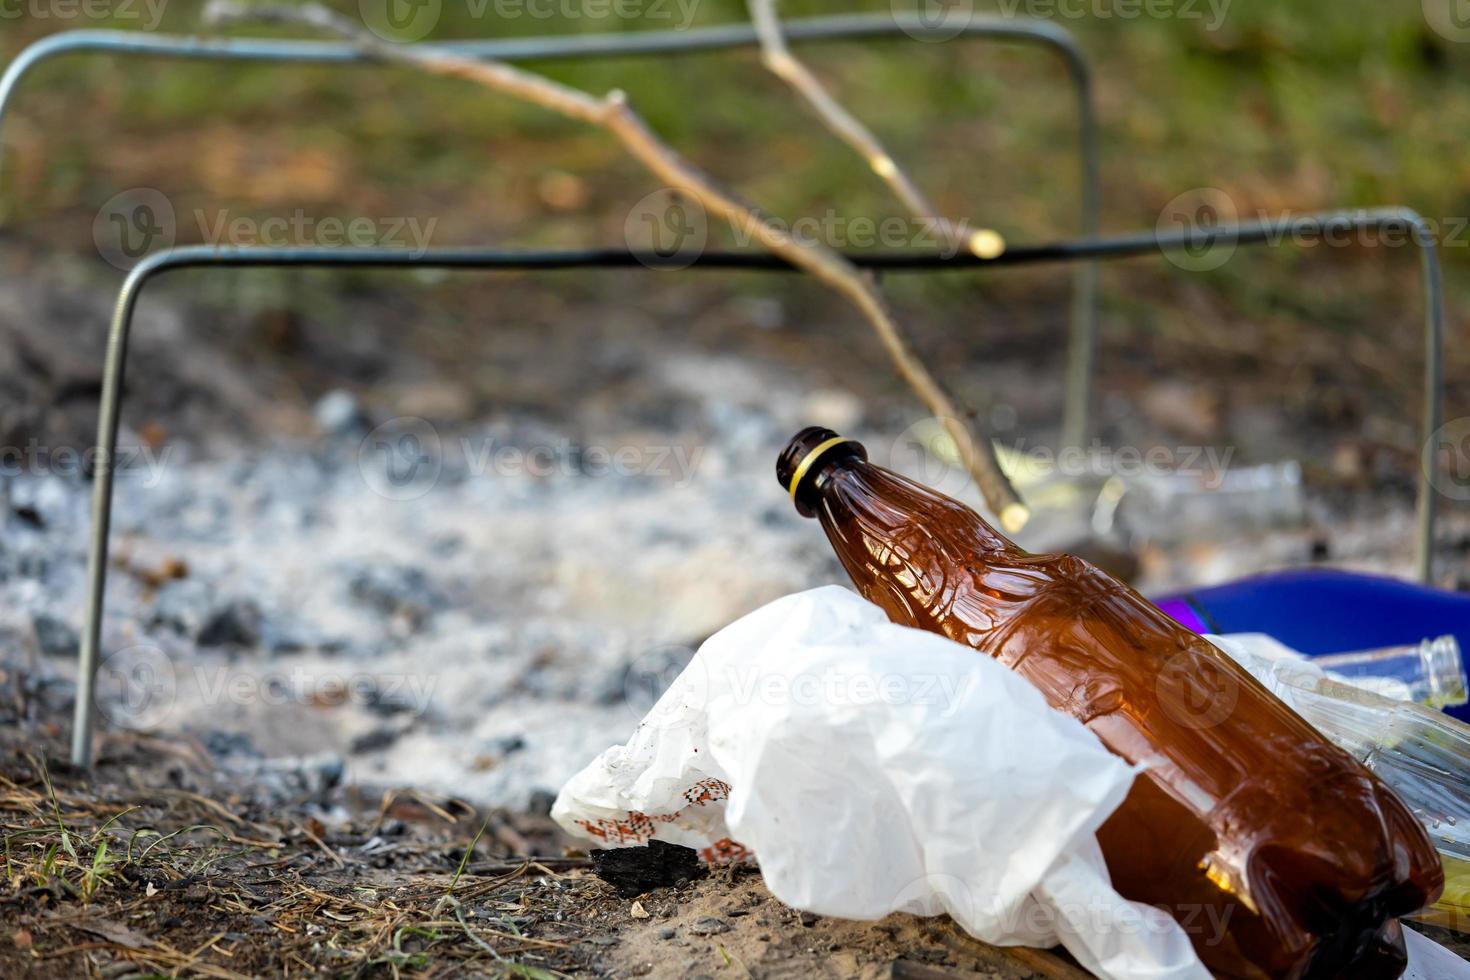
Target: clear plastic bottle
(1431, 672)
(1421, 753)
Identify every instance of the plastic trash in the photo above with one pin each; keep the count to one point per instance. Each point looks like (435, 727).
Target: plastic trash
(1422, 754)
(1428, 960)
(1431, 672)
(1237, 795)
(1324, 611)
(873, 768)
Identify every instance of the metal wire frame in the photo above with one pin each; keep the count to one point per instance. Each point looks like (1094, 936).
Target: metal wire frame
(1292, 229)
(1083, 340)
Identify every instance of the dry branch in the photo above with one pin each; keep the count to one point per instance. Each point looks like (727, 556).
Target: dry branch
(779, 60)
(612, 113)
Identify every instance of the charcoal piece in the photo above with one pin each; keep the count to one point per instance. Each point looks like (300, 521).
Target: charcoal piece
(235, 623)
(635, 870)
(54, 636)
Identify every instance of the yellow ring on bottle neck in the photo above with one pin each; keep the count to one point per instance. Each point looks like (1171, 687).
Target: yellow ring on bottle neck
(811, 458)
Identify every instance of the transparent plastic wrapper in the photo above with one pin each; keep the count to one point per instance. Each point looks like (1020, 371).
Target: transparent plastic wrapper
(1422, 754)
(873, 768)
(1428, 960)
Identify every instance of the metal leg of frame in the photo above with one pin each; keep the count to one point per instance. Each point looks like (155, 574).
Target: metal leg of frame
(1082, 250)
(1083, 340)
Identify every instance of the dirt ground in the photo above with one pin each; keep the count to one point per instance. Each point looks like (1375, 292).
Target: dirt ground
(162, 864)
(247, 840)
(257, 841)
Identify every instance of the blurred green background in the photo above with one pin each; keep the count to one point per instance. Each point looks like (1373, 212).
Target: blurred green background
(1299, 106)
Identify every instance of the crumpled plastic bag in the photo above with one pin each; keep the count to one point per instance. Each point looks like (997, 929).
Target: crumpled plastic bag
(872, 768)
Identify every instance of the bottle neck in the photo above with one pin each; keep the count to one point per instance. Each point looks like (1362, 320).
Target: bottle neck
(865, 505)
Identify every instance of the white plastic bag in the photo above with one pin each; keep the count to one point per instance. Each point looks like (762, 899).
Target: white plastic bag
(873, 768)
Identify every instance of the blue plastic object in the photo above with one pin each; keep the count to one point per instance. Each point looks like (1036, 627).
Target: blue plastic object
(1319, 611)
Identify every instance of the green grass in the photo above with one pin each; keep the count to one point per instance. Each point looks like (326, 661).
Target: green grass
(1305, 105)
(1286, 107)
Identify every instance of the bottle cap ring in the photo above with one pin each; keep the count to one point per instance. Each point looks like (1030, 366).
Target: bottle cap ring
(810, 458)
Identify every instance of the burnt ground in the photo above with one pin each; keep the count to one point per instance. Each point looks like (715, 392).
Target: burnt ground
(257, 388)
(323, 836)
(160, 864)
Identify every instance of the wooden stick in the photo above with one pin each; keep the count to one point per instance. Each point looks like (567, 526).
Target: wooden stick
(779, 60)
(613, 114)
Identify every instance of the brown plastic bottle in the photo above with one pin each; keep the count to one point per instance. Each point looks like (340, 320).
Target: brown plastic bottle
(1244, 816)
